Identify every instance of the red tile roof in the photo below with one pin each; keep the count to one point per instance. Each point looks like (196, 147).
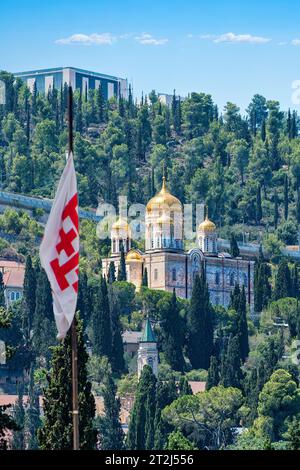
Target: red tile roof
(197, 386)
(14, 278)
(8, 265)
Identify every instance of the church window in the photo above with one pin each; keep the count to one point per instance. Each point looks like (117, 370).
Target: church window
(150, 361)
(174, 277)
(114, 245)
(231, 279)
(155, 274)
(206, 243)
(217, 278)
(245, 279)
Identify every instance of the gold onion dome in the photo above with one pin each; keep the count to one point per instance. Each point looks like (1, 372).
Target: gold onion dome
(121, 224)
(134, 256)
(207, 226)
(164, 200)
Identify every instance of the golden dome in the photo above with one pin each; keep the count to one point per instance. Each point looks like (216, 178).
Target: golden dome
(164, 200)
(121, 224)
(207, 226)
(134, 256)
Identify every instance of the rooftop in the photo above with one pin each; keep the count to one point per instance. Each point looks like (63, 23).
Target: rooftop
(58, 69)
(148, 334)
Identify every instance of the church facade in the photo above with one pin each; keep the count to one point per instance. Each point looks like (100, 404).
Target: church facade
(168, 265)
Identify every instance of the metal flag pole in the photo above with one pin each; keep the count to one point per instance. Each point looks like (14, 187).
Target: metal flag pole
(75, 408)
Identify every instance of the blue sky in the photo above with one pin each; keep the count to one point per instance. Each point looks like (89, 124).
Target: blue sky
(230, 49)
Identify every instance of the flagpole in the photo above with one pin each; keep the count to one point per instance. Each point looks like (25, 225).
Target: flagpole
(75, 407)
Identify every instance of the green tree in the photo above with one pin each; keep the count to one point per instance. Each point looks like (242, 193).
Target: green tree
(141, 425)
(231, 374)
(111, 272)
(29, 293)
(111, 436)
(199, 325)
(184, 387)
(18, 441)
(283, 283)
(177, 441)
(234, 248)
(213, 376)
(2, 295)
(122, 267)
(145, 278)
(286, 197)
(56, 431)
(101, 321)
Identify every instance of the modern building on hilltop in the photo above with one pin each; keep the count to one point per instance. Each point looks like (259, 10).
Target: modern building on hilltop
(168, 265)
(85, 80)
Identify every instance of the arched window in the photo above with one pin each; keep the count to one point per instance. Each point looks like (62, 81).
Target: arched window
(114, 245)
(12, 296)
(174, 276)
(155, 274)
(217, 278)
(231, 279)
(17, 295)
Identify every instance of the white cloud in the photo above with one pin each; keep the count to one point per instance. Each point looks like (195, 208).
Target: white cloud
(148, 39)
(236, 38)
(295, 42)
(88, 40)
(283, 43)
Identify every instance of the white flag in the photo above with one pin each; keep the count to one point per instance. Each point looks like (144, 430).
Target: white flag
(59, 250)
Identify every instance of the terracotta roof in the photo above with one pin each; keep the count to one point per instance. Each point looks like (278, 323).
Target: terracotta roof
(197, 386)
(14, 278)
(6, 264)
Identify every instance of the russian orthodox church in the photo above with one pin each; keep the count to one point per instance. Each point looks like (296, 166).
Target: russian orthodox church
(168, 265)
(147, 352)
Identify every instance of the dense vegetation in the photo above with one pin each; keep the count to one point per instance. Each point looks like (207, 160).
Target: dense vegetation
(247, 170)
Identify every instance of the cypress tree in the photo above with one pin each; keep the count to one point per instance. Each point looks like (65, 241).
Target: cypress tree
(102, 338)
(213, 376)
(44, 331)
(199, 325)
(117, 348)
(111, 272)
(234, 249)
(298, 206)
(295, 281)
(171, 335)
(29, 293)
(258, 214)
(286, 197)
(282, 281)
(276, 212)
(262, 286)
(294, 127)
(111, 436)
(263, 131)
(289, 124)
(56, 431)
(122, 267)
(83, 300)
(231, 373)
(235, 297)
(78, 116)
(18, 441)
(141, 425)
(2, 295)
(165, 393)
(145, 278)
(32, 418)
(184, 387)
(242, 326)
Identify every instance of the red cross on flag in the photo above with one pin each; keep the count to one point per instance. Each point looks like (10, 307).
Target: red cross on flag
(59, 250)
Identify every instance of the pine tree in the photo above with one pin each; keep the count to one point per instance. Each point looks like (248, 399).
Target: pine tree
(258, 205)
(56, 431)
(29, 293)
(263, 131)
(145, 278)
(111, 436)
(286, 197)
(111, 272)
(78, 124)
(18, 441)
(213, 376)
(171, 335)
(2, 295)
(283, 285)
(184, 387)
(234, 248)
(141, 425)
(199, 325)
(102, 339)
(122, 267)
(231, 374)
